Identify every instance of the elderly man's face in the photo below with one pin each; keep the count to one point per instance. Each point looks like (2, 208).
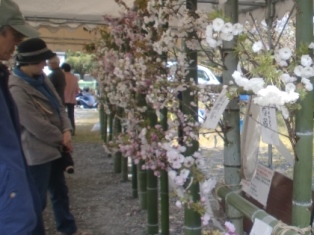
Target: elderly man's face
(8, 40)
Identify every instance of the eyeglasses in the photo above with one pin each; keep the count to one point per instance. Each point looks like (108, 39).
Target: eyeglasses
(18, 37)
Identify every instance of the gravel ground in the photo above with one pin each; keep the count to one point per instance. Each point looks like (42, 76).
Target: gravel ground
(101, 203)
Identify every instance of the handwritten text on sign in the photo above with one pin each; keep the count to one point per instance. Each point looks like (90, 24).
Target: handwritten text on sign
(269, 125)
(212, 118)
(259, 186)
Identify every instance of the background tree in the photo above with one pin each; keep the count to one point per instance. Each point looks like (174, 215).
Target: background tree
(80, 62)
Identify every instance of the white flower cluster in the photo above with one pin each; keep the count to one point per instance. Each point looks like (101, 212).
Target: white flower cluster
(269, 95)
(219, 31)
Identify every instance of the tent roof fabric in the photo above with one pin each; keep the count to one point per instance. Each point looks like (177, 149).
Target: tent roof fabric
(73, 13)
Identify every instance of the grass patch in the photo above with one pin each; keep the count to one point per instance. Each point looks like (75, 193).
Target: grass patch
(85, 119)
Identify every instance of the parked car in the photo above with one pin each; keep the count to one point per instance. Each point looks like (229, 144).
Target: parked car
(204, 75)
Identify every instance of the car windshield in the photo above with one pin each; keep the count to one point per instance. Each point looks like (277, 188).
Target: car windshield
(202, 75)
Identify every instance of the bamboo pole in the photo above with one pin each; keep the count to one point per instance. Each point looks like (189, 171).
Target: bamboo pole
(164, 180)
(192, 218)
(253, 212)
(141, 184)
(111, 115)
(141, 174)
(134, 180)
(164, 186)
(101, 120)
(105, 127)
(302, 176)
(231, 120)
(124, 169)
(152, 186)
(152, 203)
(117, 160)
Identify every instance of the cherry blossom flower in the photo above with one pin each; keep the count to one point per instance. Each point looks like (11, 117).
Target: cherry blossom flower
(205, 219)
(207, 186)
(230, 227)
(306, 60)
(227, 28)
(257, 46)
(285, 53)
(237, 28)
(311, 46)
(298, 70)
(178, 204)
(286, 78)
(218, 24)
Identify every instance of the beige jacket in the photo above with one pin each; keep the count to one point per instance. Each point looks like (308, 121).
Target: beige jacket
(41, 126)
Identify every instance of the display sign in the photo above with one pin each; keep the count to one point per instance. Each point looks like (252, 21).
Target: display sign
(258, 188)
(213, 116)
(269, 125)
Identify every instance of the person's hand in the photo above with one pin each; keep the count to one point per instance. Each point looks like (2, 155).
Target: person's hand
(67, 141)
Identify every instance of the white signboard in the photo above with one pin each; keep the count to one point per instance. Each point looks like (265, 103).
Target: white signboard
(261, 228)
(260, 184)
(212, 118)
(269, 125)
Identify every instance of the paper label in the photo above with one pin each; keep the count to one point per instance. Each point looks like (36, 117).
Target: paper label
(213, 116)
(258, 188)
(261, 228)
(269, 126)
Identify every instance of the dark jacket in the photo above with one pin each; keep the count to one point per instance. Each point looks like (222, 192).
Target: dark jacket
(17, 192)
(57, 78)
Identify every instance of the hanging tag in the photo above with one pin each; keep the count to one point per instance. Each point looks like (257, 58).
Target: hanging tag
(269, 126)
(259, 187)
(260, 228)
(213, 116)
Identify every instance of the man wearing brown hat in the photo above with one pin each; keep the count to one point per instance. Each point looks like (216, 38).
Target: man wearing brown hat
(19, 199)
(45, 129)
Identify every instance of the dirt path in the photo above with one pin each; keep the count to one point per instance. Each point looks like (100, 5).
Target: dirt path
(100, 202)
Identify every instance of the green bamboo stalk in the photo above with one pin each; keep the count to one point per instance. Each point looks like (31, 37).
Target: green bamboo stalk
(111, 116)
(141, 174)
(105, 127)
(231, 120)
(124, 169)
(164, 203)
(134, 180)
(101, 120)
(302, 176)
(152, 203)
(251, 211)
(152, 186)
(142, 183)
(192, 218)
(117, 160)
(164, 187)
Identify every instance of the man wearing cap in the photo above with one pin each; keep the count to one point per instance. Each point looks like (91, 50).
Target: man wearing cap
(19, 199)
(45, 129)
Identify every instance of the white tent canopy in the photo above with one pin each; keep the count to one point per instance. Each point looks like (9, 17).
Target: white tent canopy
(70, 13)
(53, 15)
(73, 13)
